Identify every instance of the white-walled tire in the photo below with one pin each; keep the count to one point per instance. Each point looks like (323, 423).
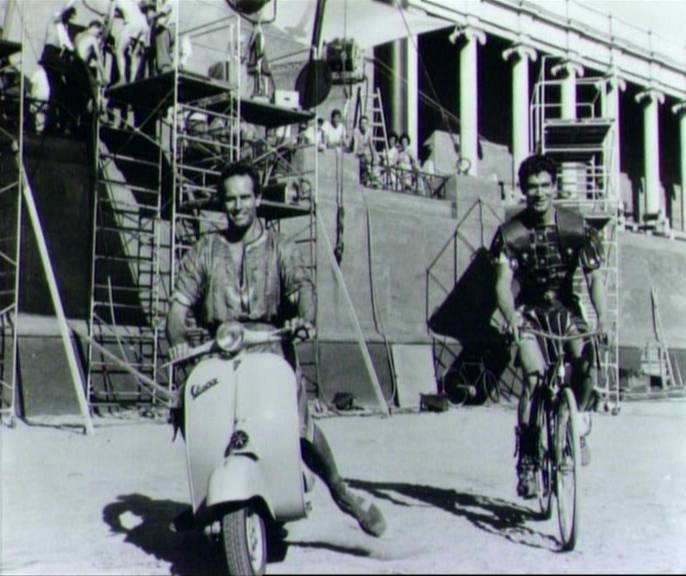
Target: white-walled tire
(244, 536)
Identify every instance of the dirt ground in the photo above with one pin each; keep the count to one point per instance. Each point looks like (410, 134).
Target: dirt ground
(76, 504)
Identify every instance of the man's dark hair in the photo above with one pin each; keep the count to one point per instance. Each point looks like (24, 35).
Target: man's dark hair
(68, 14)
(96, 24)
(238, 169)
(405, 135)
(336, 111)
(535, 165)
(392, 134)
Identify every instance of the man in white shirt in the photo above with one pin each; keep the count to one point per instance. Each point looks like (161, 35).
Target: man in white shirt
(335, 133)
(165, 35)
(88, 72)
(132, 37)
(55, 60)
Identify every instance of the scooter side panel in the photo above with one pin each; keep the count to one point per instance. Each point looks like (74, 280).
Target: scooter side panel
(267, 410)
(209, 409)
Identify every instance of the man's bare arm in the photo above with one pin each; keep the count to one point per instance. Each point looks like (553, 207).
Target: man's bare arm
(503, 292)
(176, 323)
(596, 289)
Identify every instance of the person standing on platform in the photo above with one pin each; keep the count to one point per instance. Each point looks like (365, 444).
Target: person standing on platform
(163, 42)
(88, 72)
(363, 147)
(131, 39)
(58, 52)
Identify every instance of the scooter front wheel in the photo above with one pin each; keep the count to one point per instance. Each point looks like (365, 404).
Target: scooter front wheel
(245, 541)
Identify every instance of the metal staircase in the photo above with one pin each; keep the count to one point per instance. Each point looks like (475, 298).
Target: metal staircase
(583, 146)
(128, 282)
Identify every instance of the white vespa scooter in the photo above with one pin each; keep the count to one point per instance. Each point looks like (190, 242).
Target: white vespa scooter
(243, 443)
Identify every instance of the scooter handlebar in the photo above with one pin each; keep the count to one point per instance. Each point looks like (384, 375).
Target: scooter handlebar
(230, 338)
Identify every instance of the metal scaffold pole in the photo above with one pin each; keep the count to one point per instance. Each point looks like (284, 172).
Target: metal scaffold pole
(74, 369)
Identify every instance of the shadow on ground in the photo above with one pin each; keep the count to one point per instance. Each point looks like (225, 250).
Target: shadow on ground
(145, 523)
(491, 515)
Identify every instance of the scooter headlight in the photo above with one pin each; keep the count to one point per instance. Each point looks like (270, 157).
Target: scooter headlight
(230, 337)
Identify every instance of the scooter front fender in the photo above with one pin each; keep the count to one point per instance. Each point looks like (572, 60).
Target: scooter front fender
(238, 479)
(242, 477)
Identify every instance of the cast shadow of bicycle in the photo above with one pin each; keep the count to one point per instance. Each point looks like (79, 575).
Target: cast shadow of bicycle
(491, 515)
(145, 524)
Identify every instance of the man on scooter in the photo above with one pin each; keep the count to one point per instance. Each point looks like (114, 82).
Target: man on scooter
(246, 275)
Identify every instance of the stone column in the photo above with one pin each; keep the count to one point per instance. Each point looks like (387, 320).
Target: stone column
(397, 112)
(651, 149)
(680, 111)
(572, 176)
(469, 96)
(520, 54)
(403, 106)
(568, 70)
(412, 91)
(610, 109)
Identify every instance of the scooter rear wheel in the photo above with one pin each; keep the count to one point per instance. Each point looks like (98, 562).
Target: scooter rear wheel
(245, 541)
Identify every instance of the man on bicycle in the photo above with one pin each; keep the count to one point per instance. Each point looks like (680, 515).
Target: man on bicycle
(541, 247)
(246, 274)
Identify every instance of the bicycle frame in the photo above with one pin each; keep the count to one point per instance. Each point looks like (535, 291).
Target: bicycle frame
(557, 453)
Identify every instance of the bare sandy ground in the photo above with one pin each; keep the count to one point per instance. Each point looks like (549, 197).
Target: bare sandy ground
(73, 504)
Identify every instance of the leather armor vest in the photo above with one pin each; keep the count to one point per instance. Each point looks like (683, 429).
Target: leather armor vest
(546, 257)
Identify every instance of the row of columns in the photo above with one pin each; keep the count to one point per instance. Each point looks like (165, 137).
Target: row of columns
(520, 55)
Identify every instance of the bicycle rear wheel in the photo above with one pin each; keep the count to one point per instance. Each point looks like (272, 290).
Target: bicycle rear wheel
(490, 385)
(567, 464)
(544, 466)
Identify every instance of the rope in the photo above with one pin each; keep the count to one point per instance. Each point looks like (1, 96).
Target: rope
(340, 209)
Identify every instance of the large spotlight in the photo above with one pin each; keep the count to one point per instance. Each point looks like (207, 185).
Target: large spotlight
(247, 7)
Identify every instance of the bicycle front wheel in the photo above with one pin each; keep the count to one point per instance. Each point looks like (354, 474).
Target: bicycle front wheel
(567, 466)
(543, 458)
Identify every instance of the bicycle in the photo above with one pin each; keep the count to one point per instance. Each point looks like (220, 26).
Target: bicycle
(557, 457)
(474, 379)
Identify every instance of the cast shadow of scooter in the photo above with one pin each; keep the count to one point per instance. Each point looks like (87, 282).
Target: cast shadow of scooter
(146, 524)
(491, 515)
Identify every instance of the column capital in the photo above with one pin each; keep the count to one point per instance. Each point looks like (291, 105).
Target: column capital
(469, 33)
(679, 108)
(568, 67)
(614, 81)
(650, 96)
(521, 51)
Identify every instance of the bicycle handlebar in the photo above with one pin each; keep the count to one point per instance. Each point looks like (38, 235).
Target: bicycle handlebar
(558, 337)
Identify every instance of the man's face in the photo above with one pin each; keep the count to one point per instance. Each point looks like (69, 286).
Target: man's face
(539, 189)
(240, 202)
(364, 123)
(336, 119)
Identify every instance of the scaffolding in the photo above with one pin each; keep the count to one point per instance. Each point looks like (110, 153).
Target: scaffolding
(158, 161)
(584, 147)
(462, 316)
(11, 182)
